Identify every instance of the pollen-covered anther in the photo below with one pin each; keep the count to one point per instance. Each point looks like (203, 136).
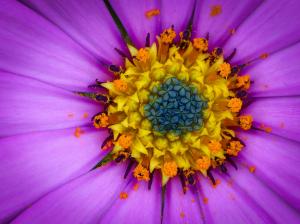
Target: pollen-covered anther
(245, 122)
(225, 70)
(243, 82)
(235, 105)
(125, 141)
(200, 44)
(141, 173)
(170, 168)
(234, 148)
(101, 120)
(168, 35)
(143, 55)
(215, 146)
(203, 163)
(120, 85)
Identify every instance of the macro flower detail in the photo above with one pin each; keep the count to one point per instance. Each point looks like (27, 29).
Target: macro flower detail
(149, 111)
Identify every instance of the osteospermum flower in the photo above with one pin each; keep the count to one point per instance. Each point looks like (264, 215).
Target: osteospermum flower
(193, 117)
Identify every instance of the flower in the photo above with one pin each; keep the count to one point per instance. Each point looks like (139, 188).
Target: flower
(51, 50)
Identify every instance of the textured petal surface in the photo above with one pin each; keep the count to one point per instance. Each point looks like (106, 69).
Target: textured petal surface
(83, 200)
(220, 27)
(273, 26)
(277, 166)
(141, 206)
(277, 75)
(180, 207)
(33, 47)
(280, 115)
(28, 105)
(34, 164)
(133, 17)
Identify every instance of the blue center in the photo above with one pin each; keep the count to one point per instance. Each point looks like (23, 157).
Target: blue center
(175, 107)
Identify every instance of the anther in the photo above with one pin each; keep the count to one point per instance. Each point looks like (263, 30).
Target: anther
(223, 168)
(151, 180)
(231, 55)
(182, 181)
(147, 40)
(245, 122)
(128, 168)
(170, 169)
(141, 173)
(211, 177)
(232, 163)
(101, 120)
(225, 70)
(107, 143)
(125, 141)
(115, 69)
(235, 105)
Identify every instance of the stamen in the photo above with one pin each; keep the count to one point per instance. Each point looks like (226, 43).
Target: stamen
(122, 156)
(203, 163)
(235, 105)
(215, 146)
(128, 168)
(147, 40)
(125, 141)
(234, 148)
(211, 177)
(225, 70)
(243, 81)
(245, 122)
(200, 44)
(231, 55)
(101, 120)
(143, 55)
(168, 36)
(232, 163)
(151, 180)
(141, 173)
(170, 169)
(182, 180)
(120, 85)
(107, 143)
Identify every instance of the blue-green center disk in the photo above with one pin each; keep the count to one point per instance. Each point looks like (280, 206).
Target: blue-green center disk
(175, 107)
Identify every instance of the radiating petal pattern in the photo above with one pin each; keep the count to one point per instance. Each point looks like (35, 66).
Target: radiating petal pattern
(34, 164)
(141, 206)
(34, 47)
(276, 161)
(83, 200)
(273, 26)
(277, 75)
(28, 105)
(280, 116)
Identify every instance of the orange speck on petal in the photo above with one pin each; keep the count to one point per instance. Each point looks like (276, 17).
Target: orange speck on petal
(252, 169)
(215, 10)
(182, 215)
(170, 168)
(120, 85)
(225, 69)
(141, 173)
(123, 195)
(101, 121)
(85, 115)
(168, 35)
(232, 31)
(205, 200)
(217, 183)
(193, 200)
(282, 125)
(143, 55)
(200, 44)
(70, 115)
(268, 129)
(235, 105)
(151, 13)
(78, 132)
(125, 141)
(264, 56)
(136, 187)
(245, 121)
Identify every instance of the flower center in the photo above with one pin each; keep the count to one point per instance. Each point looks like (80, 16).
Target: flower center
(175, 107)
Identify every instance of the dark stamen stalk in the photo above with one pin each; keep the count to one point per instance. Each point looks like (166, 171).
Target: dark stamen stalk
(182, 180)
(109, 138)
(211, 177)
(105, 160)
(231, 55)
(191, 179)
(232, 163)
(118, 22)
(162, 208)
(151, 180)
(223, 168)
(120, 158)
(128, 168)
(147, 44)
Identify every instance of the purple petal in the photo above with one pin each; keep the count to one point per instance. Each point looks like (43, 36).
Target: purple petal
(35, 164)
(278, 75)
(180, 207)
(141, 206)
(282, 115)
(28, 105)
(271, 27)
(220, 27)
(133, 16)
(32, 46)
(277, 165)
(83, 200)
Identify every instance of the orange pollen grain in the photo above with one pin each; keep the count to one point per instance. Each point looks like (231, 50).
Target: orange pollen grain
(168, 36)
(203, 163)
(182, 215)
(264, 56)
(200, 44)
(234, 148)
(125, 141)
(101, 121)
(225, 70)
(136, 187)
(232, 31)
(243, 81)
(120, 85)
(152, 12)
(215, 10)
(252, 169)
(205, 200)
(170, 169)
(214, 146)
(217, 183)
(245, 122)
(235, 105)
(123, 195)
(141, 173)
(108, 145)
(85, 115)
(78, 132)
(71, 115)
(143, 55)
